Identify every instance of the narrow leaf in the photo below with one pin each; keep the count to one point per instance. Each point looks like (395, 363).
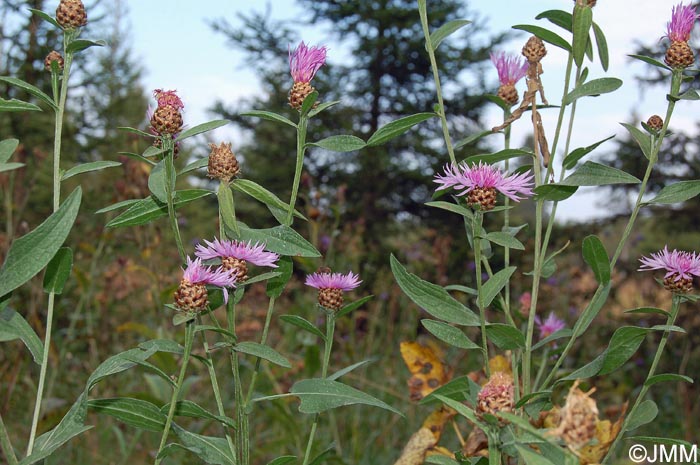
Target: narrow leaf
(432, 298)
(304, 324)
(561, 18)
(118, 205)
(396, 128)
(530, 456)
(133, 412)
(186, 408)
(554, 192)
(678, 192)
(201, 128)
(642, 138)
(308, 103)
(276, 285)
(318, 395)
(280, 239)
(602, 44)
(595, 255)
(262, 195)
(321, 107)
(29, 254)
(452, 207)
(595, 174)
(505, 336)
(350, 368)
(645, 413)
(342, 143)
(665, 377)
(492, 158)
(571, 159)
(269, 116)
(7, 148)
(624, 343)
(546, 35)
(505, 240)
(284, 460)
(46, 17)
(352, 306)
(211, 450)
(262, 351)
(493, 286)
(87, 167)
(79, 45)
(449, 334)
(10, 166)
(648, 311)
(650, 61)
(17, 105)
(195, 165)
(13, 326)
(226, 208)
(148, 209)
(582, 21)
(35, 91)
(593, 88)
(446, 30)
(58, 270)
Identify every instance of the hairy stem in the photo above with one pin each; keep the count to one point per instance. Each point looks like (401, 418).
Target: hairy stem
(189, 339)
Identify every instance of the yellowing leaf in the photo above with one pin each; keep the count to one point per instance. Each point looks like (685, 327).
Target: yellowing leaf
(427, 370)
(416, 448)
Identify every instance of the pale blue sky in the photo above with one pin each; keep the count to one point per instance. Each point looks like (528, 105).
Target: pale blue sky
(180, 51)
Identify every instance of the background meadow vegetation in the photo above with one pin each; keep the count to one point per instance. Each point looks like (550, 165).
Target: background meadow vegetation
(361, 207)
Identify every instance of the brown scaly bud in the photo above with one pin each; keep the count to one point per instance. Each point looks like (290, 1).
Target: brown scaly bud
(71, 14)
(223, 164)
(51, 57)
(681, 286)
(534, 50)
(508, 94)
(484, 197)
(655, 122)
(578, 418)
(191, 297)
(331, 287)
(166, 120)
(330, 298)
(496, 395)
(238, 267)
(297, 94)
(679, 55)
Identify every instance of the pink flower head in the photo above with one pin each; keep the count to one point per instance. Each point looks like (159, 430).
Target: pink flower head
(239, 250)
(168, 98)
(344, 282)
(466, 178)
(549, 326)
(196, 273)
(305, 61)
(511, 68)
(678, 264)
(683, 19)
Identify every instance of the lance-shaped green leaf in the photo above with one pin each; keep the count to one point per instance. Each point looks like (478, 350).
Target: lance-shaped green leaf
(554, 192)
(264, 196)
(595, 174)
(118, 363)
(493, 286)
(195, 165)
(666, 377)
(29, 254)
(676, 193)
(7, 148)
(87, 167)
(318, 395)
(10, 166)
(561, 18)
(452, 207)
(432, 298)
(504, 239)
(262, 351)
(592, 309)
(226, 208)
(446, 30)
(342, 143)
(284, 460)
(643, 414)
(546, 35)
(473, 138)
(17, 105)
(201, 128)
(186, 408)
(321, 107)
(79, 45)
(642, 138)
(308, 103)
(58, 270)
(306, 325)
(593, 88)
(148, 209)
(13, 326)
(212, 450)
(133, 412)
(602, 44)
(267, 115)
(596, 256)
(396, 128)
(571, 159)
(504, 336)
(582, 21)
(449, 334)
(46, 17)
(352, 306)
(280, 239)
(531, 457)
(502, 155)
(157, 182)
(650, 61)
(348, 369)
(35, 91)
(275, 286)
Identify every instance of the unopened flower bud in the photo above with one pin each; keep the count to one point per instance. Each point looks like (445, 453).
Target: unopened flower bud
(534, 50)
(655, 122)
(223, 164)
(51, 57)
(71, 14)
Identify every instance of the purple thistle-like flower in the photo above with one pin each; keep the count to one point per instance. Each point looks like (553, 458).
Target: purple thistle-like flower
(239, 250)
(511, 68)
(683, 19)
(466, 178)
(196, 273)
(344, 282)
(305, 61)
(678, 264)
(168, 98)
(549, 326)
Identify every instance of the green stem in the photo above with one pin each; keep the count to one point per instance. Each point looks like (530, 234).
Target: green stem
(476, 231)
(263, 340)
(169, 193)
(6, 444)
(540, 371)
(330, 329)
(189, 339)
(675, 306)
(217, 393)
(243, 441)
(301, 147)
(494, 452)
(436, 77)
(506, 220)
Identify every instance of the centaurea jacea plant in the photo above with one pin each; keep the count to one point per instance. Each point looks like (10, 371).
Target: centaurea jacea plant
(511, 69)
(683, 19)
(235, 255)
(680, 268)
(304, 62)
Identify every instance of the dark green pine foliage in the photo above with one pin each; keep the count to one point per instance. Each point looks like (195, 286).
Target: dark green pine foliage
(379, 70)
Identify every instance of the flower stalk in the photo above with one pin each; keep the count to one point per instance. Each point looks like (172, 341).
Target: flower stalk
(301, 148)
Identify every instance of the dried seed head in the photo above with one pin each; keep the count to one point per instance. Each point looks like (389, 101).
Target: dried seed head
(71, 14)
(679, 55)
(534, 50)
(681, 286)
(508, 94)
(579, 416)
(166, 120)
(330, 298)
(191, 297)
(496, 395)
(223, 164)
(485, 197)
(297, 94)
(238, 267)
(655, 122)
(51, 57)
